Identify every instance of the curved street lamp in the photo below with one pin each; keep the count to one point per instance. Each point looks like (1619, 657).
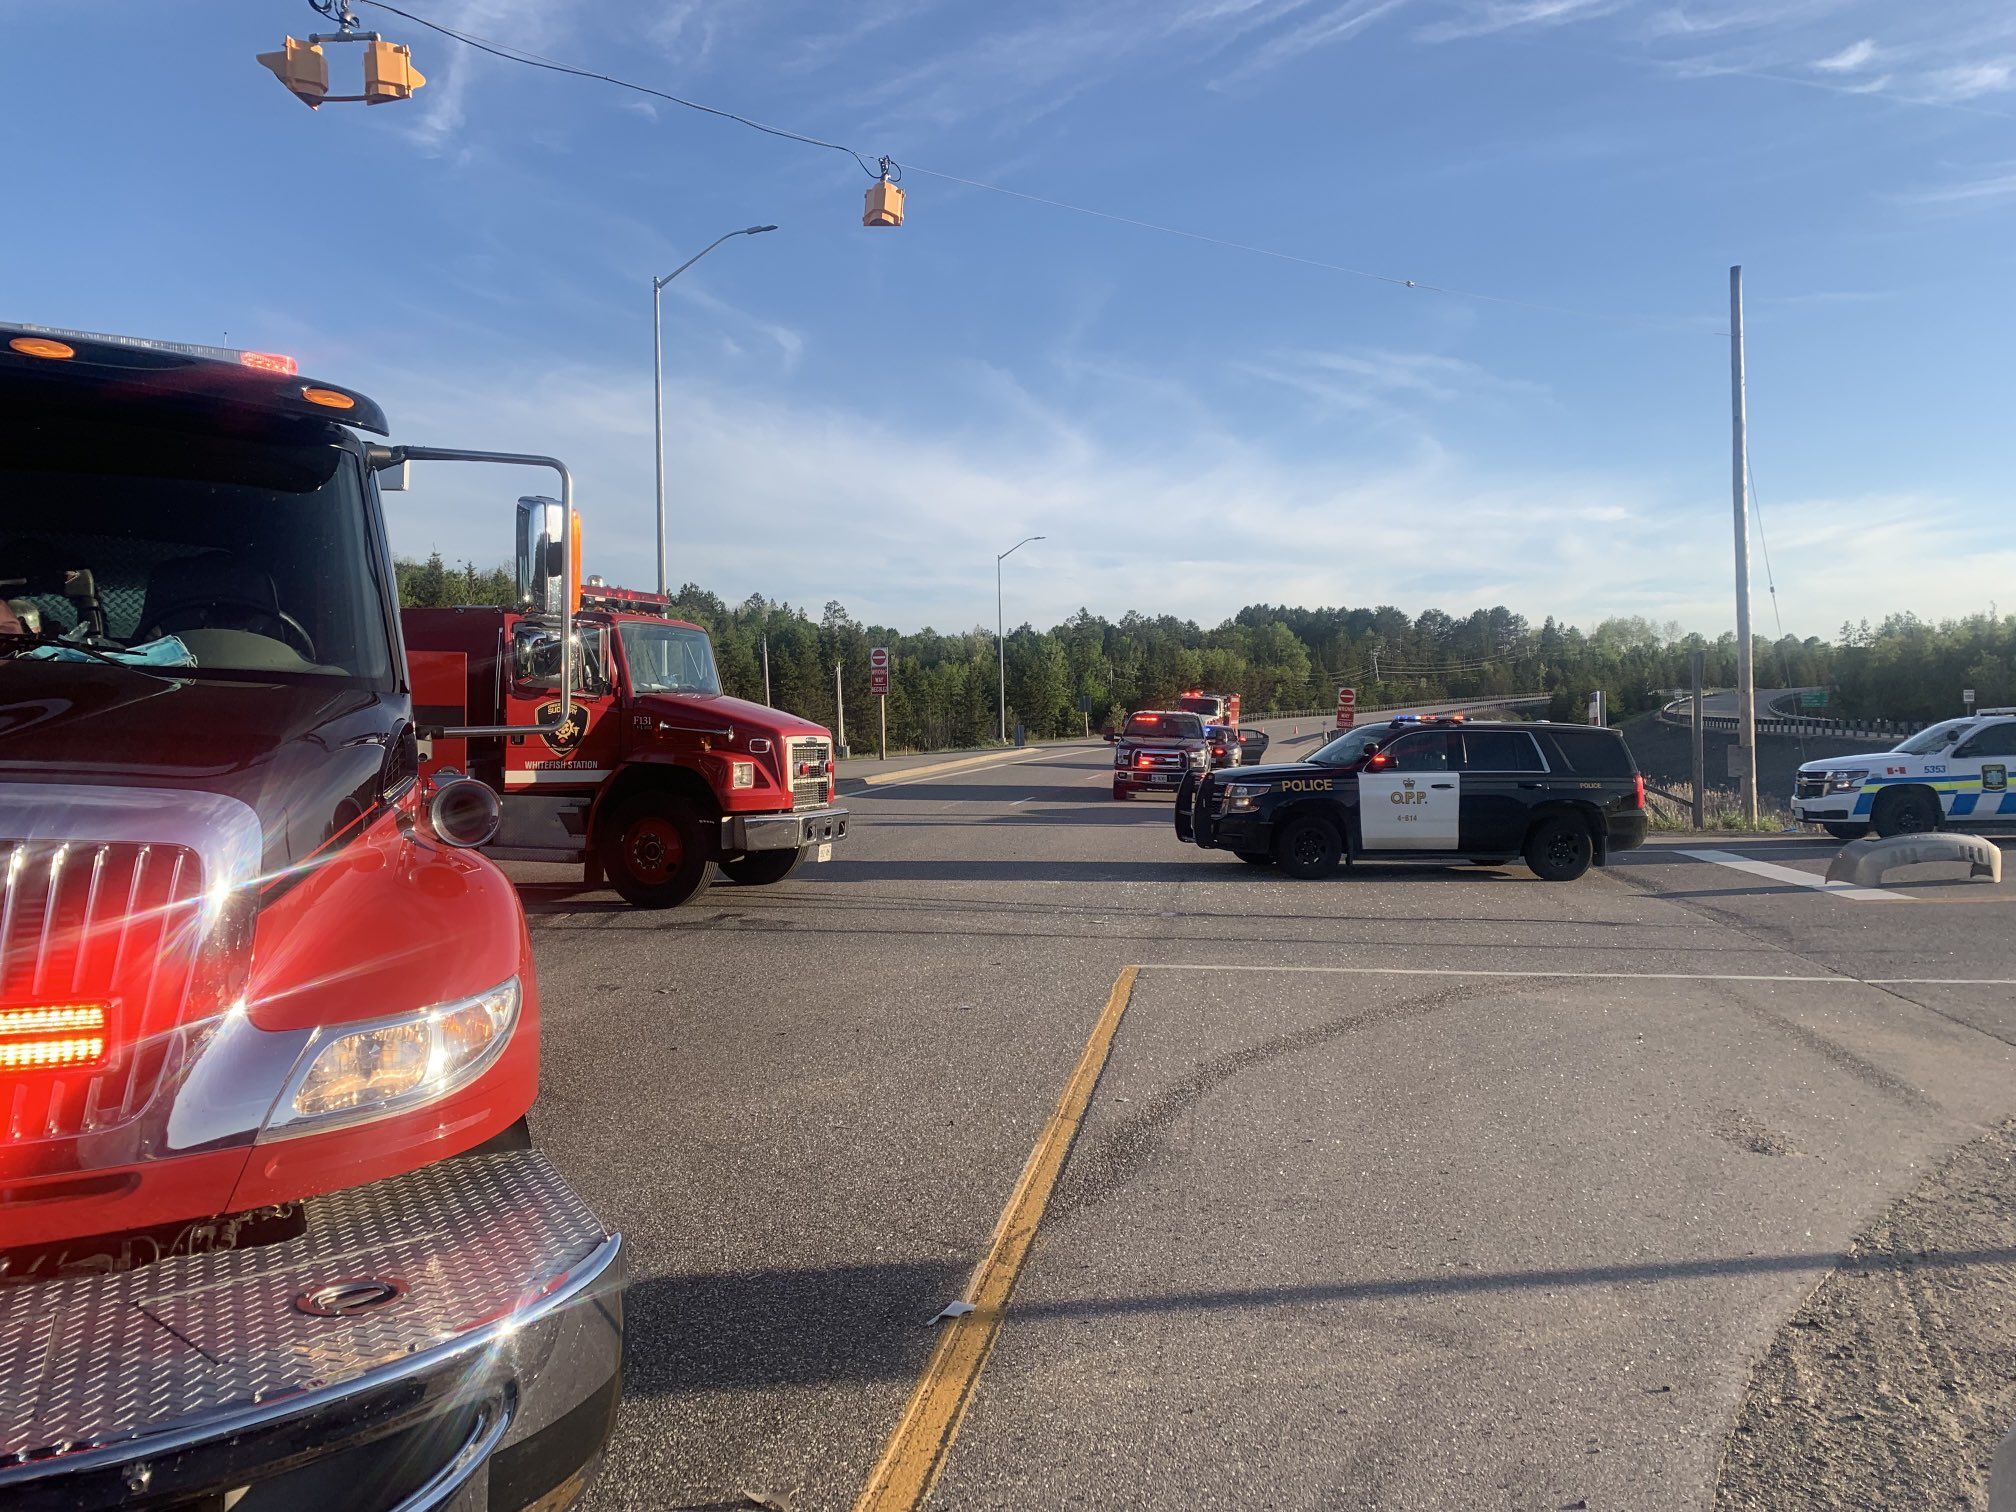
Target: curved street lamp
(1000, 640)
(658, 372)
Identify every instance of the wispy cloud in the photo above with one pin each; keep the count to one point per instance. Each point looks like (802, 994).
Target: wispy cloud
(1851, 59)
(1992, 187)
(1339, 24)
(1969, 81)
(530, 24)
(1388, 384)
(1319, 530)
(1483, 18)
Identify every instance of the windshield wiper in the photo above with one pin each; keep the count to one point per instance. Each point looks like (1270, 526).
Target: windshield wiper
(24, 639)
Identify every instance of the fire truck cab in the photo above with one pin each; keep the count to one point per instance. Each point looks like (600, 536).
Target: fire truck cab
(272, 1232)
(657, 777)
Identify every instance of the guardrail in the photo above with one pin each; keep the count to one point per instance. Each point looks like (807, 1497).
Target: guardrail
(1883, 731)
(1509, 701)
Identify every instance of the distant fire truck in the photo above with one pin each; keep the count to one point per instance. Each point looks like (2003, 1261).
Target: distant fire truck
(1220, 713)
(657, 776)
(272, 1234)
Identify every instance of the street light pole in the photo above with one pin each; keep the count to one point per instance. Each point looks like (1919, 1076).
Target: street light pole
(1000, 629)
(658, 372)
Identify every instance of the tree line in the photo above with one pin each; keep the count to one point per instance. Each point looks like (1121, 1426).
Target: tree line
(1088, 672)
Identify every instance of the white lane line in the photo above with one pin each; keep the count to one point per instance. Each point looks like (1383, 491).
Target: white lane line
(1600, 976)
(1797, 878)
(885, 787)
(1020, 801)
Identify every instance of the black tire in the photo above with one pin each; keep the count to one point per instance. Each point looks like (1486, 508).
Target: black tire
(1559, 849)
(1255, 858)
(761, 868)
(655, 852)
(1120, 793)
(1846, 831)
(1307, 847)
(1909, 811)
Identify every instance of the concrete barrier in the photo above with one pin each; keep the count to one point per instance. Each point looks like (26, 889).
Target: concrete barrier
(1864, 862)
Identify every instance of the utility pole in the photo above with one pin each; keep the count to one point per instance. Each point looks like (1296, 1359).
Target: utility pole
(658, 372)
(839, 709)
(766, 672)
(1746, 671)
(1698, 664)
(1000, 629)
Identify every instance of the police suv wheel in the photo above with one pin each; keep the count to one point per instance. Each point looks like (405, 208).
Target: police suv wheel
(654, 851)
(1307, 847)
(1910, 812)
(1846, 831)
(1559, 850)
(761, 868)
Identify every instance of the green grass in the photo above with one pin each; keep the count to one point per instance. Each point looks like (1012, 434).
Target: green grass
(1722, 811)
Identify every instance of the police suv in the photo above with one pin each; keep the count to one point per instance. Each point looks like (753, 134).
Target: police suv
(1954, 773)
(1430, 788)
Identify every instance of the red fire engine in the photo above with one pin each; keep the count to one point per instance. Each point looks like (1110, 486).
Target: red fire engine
(656, 775)
(272, 1234)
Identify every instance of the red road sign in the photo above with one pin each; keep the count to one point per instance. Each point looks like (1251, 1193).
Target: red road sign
(878, 672)
(1347, 707)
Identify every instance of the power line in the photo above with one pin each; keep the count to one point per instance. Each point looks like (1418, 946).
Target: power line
(532, 60)
(884, 166)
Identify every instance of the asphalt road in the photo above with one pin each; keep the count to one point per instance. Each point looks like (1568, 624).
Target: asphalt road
(1418, 1187)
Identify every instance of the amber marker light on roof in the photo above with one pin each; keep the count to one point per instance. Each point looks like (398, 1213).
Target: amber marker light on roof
(42, 346)
(328, 398)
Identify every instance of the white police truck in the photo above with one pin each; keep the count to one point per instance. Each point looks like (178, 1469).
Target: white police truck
(1954, 774)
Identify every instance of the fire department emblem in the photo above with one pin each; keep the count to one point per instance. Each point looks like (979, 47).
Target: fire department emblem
(563, 740)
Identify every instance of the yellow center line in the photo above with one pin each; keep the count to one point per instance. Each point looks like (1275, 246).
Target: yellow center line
(917, 1450)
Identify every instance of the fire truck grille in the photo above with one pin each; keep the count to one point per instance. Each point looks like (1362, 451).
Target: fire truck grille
(110, 926)
(809, 790)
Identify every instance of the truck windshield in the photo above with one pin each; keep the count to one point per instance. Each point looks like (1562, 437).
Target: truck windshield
(1197, 703)
(224, 555)
(1934, 738)
(1350, 746)
(668, 658)
(1167, 726)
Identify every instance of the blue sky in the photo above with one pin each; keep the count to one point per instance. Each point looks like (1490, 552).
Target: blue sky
(871, 415)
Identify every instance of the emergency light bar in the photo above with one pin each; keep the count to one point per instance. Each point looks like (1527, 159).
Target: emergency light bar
(265, 362)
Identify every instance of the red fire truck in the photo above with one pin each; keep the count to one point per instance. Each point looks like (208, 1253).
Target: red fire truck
(656, 775)
(272, 1233)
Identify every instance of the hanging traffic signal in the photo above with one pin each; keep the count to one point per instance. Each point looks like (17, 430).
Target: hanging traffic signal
(884, 205)
(389, 73)
(302, 68)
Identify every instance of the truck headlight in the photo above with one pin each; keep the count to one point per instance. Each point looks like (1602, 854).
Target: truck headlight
(395, 1064)
(1243, 795)
(741, 774)
(1845, 782)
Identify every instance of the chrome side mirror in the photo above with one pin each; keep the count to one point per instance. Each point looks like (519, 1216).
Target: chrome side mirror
(542, 555)
(464, 813)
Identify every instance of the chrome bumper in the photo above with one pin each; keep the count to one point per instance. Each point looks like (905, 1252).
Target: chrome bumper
(481, 1372)
(774, 832)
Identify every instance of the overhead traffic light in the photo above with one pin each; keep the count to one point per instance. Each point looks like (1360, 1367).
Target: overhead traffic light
(302, 68)
(884, 206)
(389, 73)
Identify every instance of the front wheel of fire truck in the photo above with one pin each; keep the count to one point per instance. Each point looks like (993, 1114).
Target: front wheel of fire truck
(761, 868)
(654, 851)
